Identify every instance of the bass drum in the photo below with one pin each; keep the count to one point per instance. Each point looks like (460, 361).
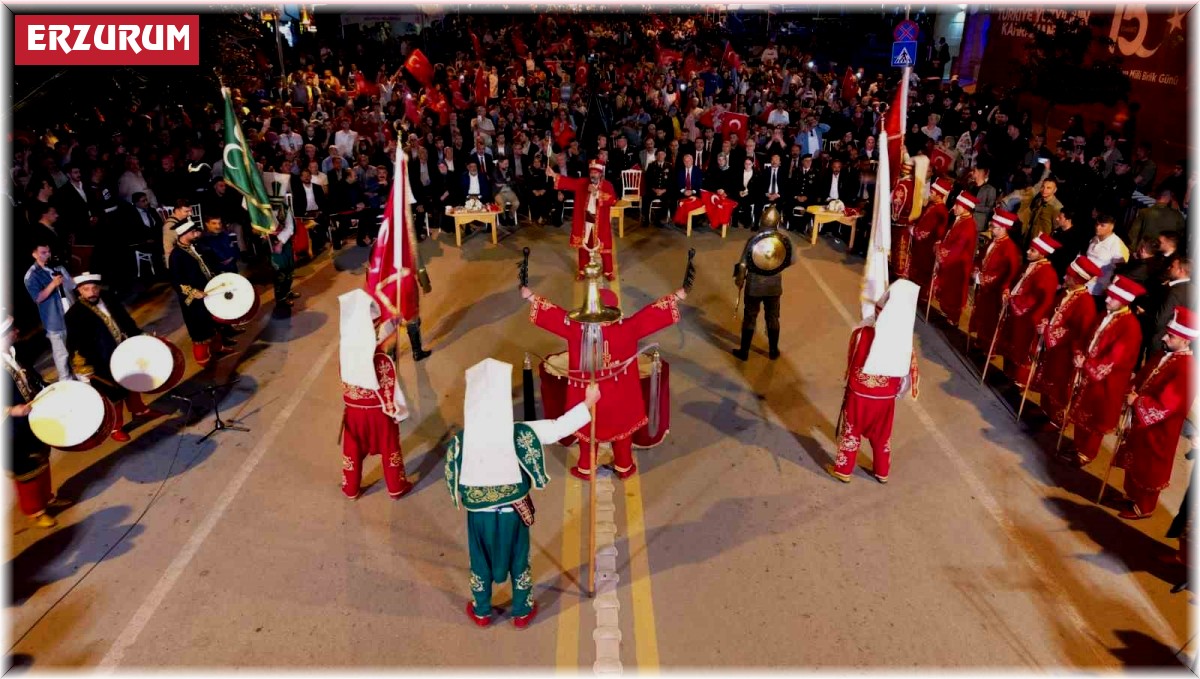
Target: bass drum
(231, 299)
(552, 375)
(147, 364)
(642, 438)
(72, 416)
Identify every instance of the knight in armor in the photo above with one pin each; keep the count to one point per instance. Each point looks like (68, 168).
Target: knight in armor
(374, 404)
(759, 273)
(96, 326)
(491, 465)
(29, 458)
(602, 344)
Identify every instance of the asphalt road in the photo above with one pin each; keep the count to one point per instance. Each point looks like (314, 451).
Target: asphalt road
(733, 548)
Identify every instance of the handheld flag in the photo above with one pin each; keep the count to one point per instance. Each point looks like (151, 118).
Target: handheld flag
(242, 174)
(875, 276)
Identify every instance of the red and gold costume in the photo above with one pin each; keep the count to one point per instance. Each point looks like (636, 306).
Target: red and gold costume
(998, 270)
(1147, 453)
(1029, 307)
(1067, 335)
(902, 202)
(597, 213)
(955, 256)
(369, 427)
(929, 229)
(621, 410)
(1107, 370)
(881, 359)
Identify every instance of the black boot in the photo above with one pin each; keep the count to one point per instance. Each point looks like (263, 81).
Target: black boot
(414, 338)
(743, 353)
(773, 341)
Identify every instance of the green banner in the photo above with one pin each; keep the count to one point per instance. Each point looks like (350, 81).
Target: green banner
(242, 173)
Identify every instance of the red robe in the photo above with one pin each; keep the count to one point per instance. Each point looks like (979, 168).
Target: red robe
(1107, 370)
(955, 259)
(902, 202)
(999, 270)
(928, 230)
(368, 428)
(1148, 450)
(1029, 307)
(870, 407)
(602, 230)
(1067, 334)
(621, 410)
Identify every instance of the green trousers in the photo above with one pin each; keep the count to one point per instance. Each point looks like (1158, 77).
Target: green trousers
(499, 546)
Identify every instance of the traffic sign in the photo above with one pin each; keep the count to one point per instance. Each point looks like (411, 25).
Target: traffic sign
(904, 53)
(906, 31)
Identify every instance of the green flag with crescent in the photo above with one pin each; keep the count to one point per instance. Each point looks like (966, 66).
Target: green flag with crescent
(242, 173)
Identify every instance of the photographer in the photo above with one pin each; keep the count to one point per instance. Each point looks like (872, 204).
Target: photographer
(53, 290)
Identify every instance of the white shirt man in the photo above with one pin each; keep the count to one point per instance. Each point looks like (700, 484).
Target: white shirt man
(345, 140)
(778, 117)
(310, 197)
(773, 180)
(833, 186)
(1106, 251)
(473, 184)
(290, 142)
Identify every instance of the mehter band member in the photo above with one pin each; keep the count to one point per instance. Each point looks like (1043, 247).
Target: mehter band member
(29, 458)
(189, 276)
(591, 221)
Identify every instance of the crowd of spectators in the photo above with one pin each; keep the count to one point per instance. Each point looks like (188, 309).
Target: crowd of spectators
(512, 94)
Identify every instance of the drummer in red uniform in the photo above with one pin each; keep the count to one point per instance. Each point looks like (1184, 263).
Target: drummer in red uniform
(96, 325)
(621, 411)
(881, 368)
(374, 403)
(1160, 402)
(28, 461)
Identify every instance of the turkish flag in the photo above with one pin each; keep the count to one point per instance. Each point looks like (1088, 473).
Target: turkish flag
(419, 67)
(477, 45)
(459, 102)
(893, 126)
(719, 209)
(849, 85)
(410, 109)
(730, 57)
(735, 123)
(942, 162)
(392, 275)
(481, 87)
(666, 57)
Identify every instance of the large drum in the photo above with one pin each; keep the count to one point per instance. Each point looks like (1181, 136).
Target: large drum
(147, 364)
(72, 416)
(231, 299)
(553, 377)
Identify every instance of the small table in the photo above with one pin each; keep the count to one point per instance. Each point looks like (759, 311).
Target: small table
(822, 216)
(617, 212)
(462, 217)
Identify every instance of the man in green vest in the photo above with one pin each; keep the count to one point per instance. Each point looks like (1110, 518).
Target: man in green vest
(490, 467)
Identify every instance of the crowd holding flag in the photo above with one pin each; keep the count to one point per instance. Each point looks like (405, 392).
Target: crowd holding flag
(242, 173)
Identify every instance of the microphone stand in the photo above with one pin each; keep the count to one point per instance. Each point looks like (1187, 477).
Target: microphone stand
(219, 424)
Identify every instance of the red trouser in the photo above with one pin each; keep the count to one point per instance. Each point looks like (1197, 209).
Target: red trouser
(368, 431)
(869, 418)
(1087, 443)
(585, 257)
(33, 495)
(1146, 501)
(136, 408)
(622, 455)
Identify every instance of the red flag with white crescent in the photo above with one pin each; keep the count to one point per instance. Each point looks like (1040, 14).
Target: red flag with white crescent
(734, 123)
(392, 274)
(894, 127)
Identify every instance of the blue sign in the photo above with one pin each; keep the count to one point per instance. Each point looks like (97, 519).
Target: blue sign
(904, 53)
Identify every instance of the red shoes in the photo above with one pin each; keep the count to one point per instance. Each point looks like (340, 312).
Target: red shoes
(523, 621)
(482, 621)
(580, 474)
(119, 436)
(405, 488)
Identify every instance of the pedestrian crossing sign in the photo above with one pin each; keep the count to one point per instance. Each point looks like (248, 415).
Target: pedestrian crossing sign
(904, 53)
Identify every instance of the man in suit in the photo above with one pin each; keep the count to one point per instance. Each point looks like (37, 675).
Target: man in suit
(147, 224)
(660, 185)
(620, 158)
(1175, 292)
(706, 150)
(690, 179)
(75, 211)
(837, 184)
(482, 157)
(774, 185)
(308, 201)
(475, 183)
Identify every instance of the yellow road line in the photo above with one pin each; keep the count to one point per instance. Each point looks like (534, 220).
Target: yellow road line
(566, 655)
(645, 633)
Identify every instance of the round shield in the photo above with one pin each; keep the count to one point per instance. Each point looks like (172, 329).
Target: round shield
(769, 252)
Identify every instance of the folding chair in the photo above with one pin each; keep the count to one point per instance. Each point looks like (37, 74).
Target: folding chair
(631, 187)
(568, 204)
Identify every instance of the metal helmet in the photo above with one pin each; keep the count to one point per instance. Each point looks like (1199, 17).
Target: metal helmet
(770, 218)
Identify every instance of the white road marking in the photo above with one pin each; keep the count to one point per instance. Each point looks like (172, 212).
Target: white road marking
(988, 501)
(170, 577)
